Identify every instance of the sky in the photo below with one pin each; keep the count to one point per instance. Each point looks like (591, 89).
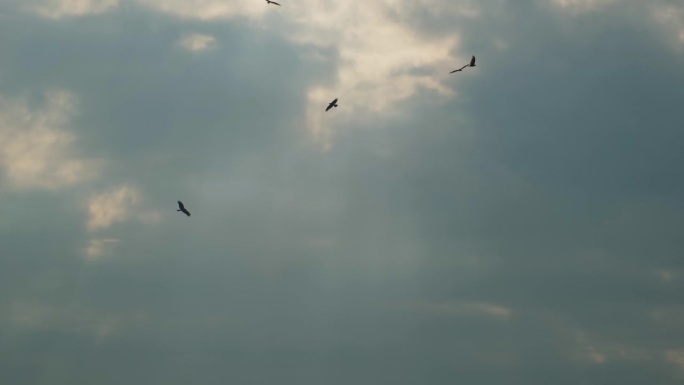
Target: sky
(519, 222)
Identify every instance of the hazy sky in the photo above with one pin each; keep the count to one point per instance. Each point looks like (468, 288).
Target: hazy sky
(520, 222)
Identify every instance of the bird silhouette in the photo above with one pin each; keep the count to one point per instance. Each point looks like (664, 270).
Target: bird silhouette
(332, 104)
(271, 2)
(459, 70)
(182, 209)
(471, 64)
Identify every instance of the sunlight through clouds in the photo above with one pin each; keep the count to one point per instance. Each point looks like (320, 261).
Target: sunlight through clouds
(383, 60)
(518, 222)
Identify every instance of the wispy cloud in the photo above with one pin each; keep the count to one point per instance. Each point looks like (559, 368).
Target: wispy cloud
(581, 6)
(38, 146)
(117, 205)
(97, 248)
(382, 58)
(461, 309)
(206, 9)
(57, 9)
(197, 42)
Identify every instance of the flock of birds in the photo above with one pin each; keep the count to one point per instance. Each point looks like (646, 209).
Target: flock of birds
(181, 207)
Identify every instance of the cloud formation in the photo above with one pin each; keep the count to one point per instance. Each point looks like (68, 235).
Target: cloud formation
(197, 42)
(57, 9)
(38, 146)
(117, 205)
(515, 223)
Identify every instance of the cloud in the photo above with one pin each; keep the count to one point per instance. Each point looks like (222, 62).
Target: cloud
(98, 247)
(197, 42)
(57, 9)
(468, 309)
(205, 9)
(580, 6)
(676, 358)
(535, 188)
(382, 60)
(119, 204)
(38, 151)
(671, 18)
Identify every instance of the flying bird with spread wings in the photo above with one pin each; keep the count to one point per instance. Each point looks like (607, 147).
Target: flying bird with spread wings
(332, 104)
(182, 209)
(271, 2)
(471, 64)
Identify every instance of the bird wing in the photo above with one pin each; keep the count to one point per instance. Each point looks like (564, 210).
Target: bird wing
(472, 61)
(180, 205)
(273, 2)
(333, 102)
(460, 69)
(186, 212)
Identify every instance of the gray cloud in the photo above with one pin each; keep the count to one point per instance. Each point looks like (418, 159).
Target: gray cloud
(523, 229)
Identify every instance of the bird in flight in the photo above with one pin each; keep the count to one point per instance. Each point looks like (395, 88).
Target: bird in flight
(459, 70)
(182, 209)
(471, 64)
(271, 2)
(332, 104)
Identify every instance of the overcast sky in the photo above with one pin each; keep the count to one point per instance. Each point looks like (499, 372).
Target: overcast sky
(520, 222)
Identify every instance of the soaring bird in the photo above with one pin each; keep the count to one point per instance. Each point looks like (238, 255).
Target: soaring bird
(332, 104)
(471, 64)
(459, 70)
(271, 2)
(182, 209)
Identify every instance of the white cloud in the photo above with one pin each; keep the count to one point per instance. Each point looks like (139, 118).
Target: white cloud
(37, 146)
(56, 9)
(197, 42)
(117, 205)
(382, 59)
